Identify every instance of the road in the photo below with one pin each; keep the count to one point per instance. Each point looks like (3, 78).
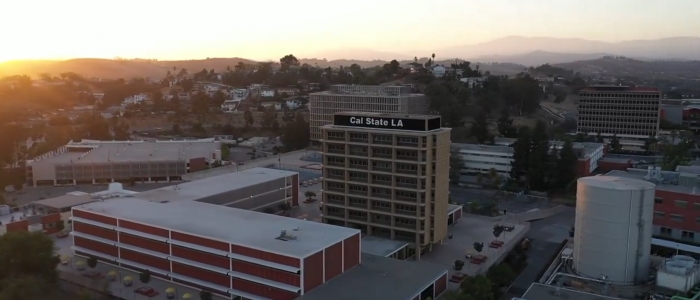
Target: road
(545, 238)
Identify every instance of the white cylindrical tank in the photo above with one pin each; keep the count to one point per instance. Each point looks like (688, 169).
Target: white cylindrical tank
(613, 228)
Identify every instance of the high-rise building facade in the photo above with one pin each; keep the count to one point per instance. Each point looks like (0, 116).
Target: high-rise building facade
(362, 98)
(387, 175)
(626, 112)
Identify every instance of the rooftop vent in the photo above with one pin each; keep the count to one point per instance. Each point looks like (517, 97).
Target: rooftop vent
(286, 237)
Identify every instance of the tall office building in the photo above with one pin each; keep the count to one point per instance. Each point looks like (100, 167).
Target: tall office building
(362, 98)
(630, 113)
(387, 175)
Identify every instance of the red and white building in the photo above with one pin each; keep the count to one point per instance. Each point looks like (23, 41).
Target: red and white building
(228, 251)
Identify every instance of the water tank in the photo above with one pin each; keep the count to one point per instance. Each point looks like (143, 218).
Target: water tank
(613, 228)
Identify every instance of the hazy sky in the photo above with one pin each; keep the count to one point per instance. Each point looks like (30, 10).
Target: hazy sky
(268, 29)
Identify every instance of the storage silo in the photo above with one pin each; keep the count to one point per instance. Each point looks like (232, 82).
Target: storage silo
(613, 228)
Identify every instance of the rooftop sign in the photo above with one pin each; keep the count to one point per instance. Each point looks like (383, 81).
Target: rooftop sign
(380, 122)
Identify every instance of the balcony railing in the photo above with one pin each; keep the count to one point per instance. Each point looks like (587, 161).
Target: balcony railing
(379, 169)
(358, 192)
(334, 176)
(407, 144)
(381, 221)
(359, 205)
(335, 202)
(406, 212)
(407, 185)
(407, 199)
(336, 151)
(404, 225)
(360, 218)
(358, 153)
(336, 164)
(336, 215)
(382, 155)
(336, 189)
(381, 195)
(404, 171)
(382, 142)
(406, 157)
(360, 167)
(382, 182)
(381, 208)
(359, 179)
(358, 140)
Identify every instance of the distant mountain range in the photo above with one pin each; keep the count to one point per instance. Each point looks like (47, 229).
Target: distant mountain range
(538, 50)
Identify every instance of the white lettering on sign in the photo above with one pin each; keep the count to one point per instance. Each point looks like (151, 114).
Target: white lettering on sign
(376, 122)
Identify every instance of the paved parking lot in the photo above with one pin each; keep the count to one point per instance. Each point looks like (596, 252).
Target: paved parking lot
(511, 203)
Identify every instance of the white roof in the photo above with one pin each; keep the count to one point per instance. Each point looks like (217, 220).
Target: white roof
(237, 226)
(617, 183)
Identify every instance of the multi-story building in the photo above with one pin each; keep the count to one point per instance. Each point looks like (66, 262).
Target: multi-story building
(482, 158)
(676, 202)
(387, 175)
(362, 98)
(93, 162)
(228, 251)
(630, 113)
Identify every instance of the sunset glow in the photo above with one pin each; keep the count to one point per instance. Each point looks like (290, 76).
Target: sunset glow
(265, 29)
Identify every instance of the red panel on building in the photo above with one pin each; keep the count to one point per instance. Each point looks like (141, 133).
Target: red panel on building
(96, 246)
(313, 271)
(295, 190)
(187, 238)
(144, 228)
(266, 273)
(271, 257)
(52, 219)
(18, 226)
(263, 290)
(440, 285)
(199, 256)
(94, 217)
(201, 274)
(145, 259)
(352, 252)
(197, 164)
(334, 260)
(95, 231)
(668, 207)
(583, 167)
(144, 243)
(458, 215)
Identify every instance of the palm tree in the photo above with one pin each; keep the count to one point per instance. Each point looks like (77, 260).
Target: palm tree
(433, 57)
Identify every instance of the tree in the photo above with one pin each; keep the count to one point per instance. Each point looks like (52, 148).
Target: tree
(497, 231)
(284, 207)
(650, 144)
(295, 135)
(501, 275)
(456, 166)
(505, 125)
(239, 67)
(92, 262)
(479, 287)
(269, 116)
(478, 247)
(176, 128)
(225, 152)
(205, 295)
(566, 165)
(288, 61)
(521, 154)
(29, 264)
(615, 146)
(187, 85)
(248, 117)
(145, 276)
(309, 194)
(480, 128)
(538, 160)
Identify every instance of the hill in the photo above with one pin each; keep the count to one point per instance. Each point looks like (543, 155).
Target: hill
(537, 58)
(620, 66)
(112, 69)
(666, 48)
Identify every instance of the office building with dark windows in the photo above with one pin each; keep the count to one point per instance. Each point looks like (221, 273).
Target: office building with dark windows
(388, 176)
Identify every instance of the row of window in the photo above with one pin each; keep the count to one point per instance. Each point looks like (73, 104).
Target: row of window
(684, 234)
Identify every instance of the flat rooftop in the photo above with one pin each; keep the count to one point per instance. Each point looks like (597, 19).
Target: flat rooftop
(483, 148)
(379, 278)
(639, 174)
(136, 151)
(211, 186)
(546, 292)
(381, 246)
(64, 201)
(237, 226)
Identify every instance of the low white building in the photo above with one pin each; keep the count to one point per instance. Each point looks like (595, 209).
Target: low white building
(239, 93)
(267, 93)
(230, 106)
(134, 99)
(473, 81)
(439, 71)
(483, 158)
